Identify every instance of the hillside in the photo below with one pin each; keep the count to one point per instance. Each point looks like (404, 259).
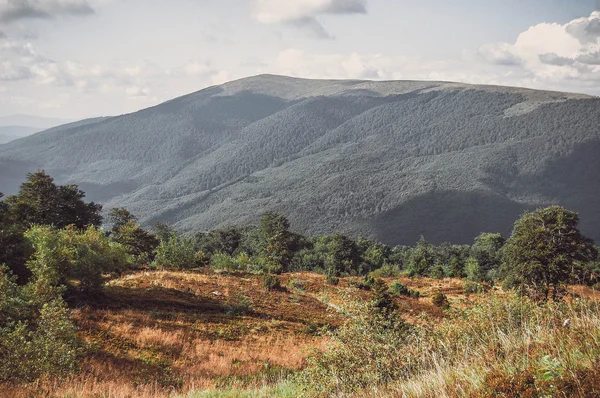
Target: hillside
(393, 160)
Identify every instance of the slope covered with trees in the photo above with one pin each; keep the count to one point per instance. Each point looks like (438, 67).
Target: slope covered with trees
(390, 160)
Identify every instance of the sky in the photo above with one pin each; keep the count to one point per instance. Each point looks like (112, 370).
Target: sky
(75, 59)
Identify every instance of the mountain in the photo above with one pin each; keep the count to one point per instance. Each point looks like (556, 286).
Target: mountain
(393, 160)
(10, 133)
(13, 127)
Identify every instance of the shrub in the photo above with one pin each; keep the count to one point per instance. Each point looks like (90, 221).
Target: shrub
(368, 351)
(473, 270)
(271, 282)
(223, 262)
(399, 289)
(440, 300)
(65, 254)
(176, 252)
(437, 272)
(473, 288)
(387, 271)
(332, 280)
(239, 304)
(297, 284)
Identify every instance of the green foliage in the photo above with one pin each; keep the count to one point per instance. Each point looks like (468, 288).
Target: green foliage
(332, 280)
(440, 300)
(176, 252)
(369, 350)
(387, 271)
(546, 251)
(382, 300)
(422, 259)
(473, 271)
(399, 289)
(271, 282)
(239, 304)
(139, 242)
(277, 242)
(62, 255)
(487, 250)
(457, 268)
(473, 288)
(42, 202)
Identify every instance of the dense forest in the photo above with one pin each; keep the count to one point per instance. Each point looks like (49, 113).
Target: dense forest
(57, 252)
(388, 160)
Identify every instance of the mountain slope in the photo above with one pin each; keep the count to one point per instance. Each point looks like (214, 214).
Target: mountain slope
(393, 160)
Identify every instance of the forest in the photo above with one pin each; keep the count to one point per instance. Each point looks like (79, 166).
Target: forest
(60, 256)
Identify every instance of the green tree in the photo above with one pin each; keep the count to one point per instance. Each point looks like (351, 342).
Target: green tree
(14, 249)
(119, 217)
(139, 242)
(40, 201)
(487, 250)
(421, 259)
(546, 251)
(61, 256)
(343, 256)
(277, 241)
(176, 252)
(473, 270)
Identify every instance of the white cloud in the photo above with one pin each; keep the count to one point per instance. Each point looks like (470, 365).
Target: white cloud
(304, 13)
(556, 55)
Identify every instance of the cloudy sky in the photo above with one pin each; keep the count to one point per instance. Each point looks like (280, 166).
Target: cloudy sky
(83, 58)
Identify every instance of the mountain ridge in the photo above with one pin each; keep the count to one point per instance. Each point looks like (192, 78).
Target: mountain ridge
(383, 159)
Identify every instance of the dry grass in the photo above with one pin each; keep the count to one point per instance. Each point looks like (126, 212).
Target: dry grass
(159, 334)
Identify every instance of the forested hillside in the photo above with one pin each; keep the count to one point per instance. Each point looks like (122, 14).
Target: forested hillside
(393, 160)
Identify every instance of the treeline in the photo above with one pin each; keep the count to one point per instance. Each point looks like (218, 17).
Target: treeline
(55, 253)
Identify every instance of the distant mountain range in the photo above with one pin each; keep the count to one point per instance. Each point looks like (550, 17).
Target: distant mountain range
(392, 160)
(13, 127)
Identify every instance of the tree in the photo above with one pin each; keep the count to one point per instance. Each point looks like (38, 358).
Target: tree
(422, 259)
(63, 255)
(14, 248)
(139, 242)
(40, 201)
(277, 241)
(343, 256)
(545, 251)
(487, 250)
(119, 217)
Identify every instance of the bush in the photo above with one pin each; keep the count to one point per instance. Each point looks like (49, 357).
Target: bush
(297, 284)
(387, 271)
(223, 262)
(368, 351)
(271, 282)
(176, 252)
(63, 255)
(440, 300)
(239, 304)
(332, 280)
(473, 288)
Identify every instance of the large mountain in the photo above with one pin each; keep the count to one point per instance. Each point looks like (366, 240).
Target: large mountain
(393, 160)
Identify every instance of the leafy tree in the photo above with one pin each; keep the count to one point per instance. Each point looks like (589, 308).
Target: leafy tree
(176, 252)
(14, 250)
(119, 217)
(40, 201)
(473, 270)
(343, 256)
(277, 241)
(545, 251)
(139, 242)
(63, 255)
(487, 250)
(422, 259)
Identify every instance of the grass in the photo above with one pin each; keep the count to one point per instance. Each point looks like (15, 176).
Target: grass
(163, 334)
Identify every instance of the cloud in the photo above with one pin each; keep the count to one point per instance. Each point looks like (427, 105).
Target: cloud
(13, 10)
(554, 59)
(304, 14)
(2, 35)
(11, 72)
(561, 56)
(499, 54)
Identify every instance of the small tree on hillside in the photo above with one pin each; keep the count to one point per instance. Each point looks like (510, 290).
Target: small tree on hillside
(546, 251)
(40, 201)
(277, 241)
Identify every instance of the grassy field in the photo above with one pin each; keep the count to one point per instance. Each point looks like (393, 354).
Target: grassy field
(158, 334)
